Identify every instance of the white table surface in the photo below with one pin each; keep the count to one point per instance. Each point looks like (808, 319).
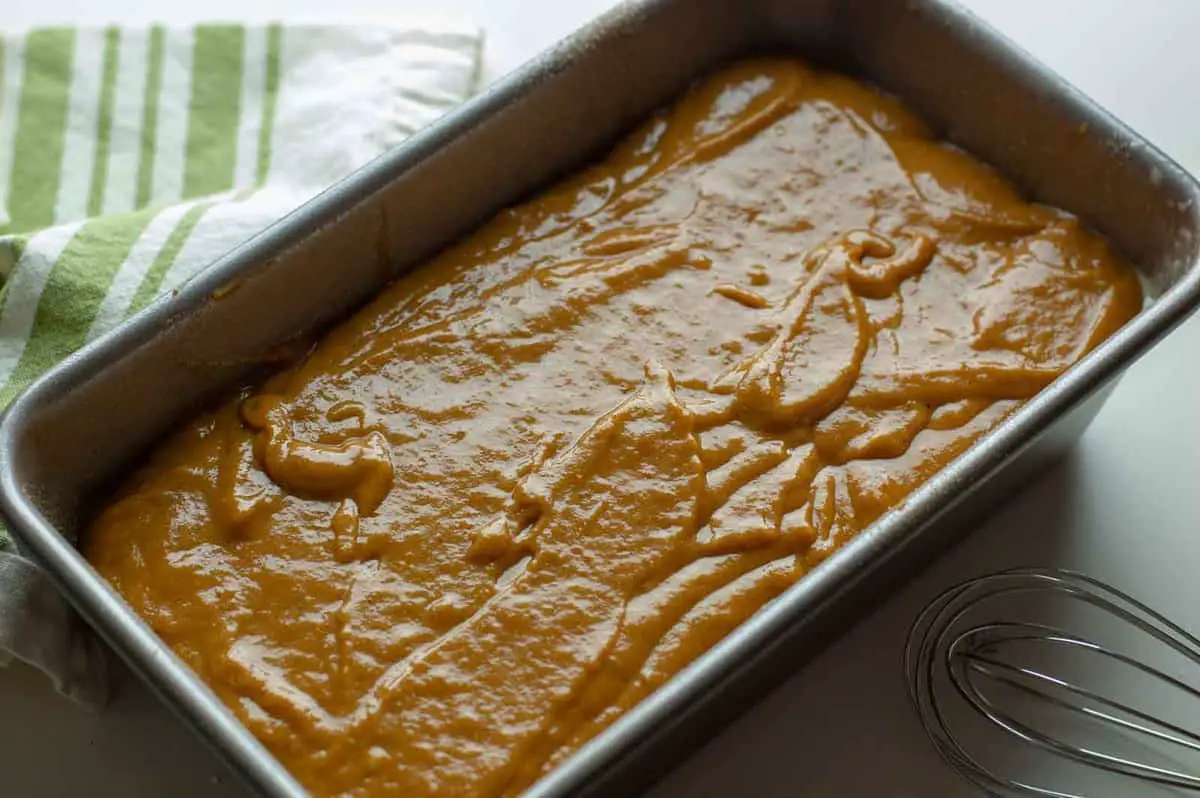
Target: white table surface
(1124, 506)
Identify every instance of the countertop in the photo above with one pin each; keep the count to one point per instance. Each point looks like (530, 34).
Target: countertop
(1124, 506)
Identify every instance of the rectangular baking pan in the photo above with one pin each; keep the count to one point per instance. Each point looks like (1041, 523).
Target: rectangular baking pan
(70, 436)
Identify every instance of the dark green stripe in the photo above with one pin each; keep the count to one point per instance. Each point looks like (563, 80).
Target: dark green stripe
(166, 256)
(154, 74)
(104, 120)
(41, 128)
(10, 254)
(78, 283)
(213, 109)
(267, 128)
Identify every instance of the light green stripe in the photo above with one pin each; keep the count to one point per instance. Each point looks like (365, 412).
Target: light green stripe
(166, 256)
(213, 109)
(3, 178)
(154, 73)
(104, 120)
(3, 44)
(78, 283)
(41, 128)
(267, 128)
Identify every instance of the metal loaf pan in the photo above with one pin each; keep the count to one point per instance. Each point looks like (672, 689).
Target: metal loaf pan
(70, 436)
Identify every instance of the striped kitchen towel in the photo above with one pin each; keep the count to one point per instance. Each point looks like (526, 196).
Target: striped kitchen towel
(131, 158)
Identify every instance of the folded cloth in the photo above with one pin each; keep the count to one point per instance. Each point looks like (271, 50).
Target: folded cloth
(131, 158)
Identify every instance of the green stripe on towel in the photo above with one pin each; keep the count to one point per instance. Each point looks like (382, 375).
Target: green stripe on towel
(104, 120)
(154, 71)
(41, 128)
(213, 113)
(267, 128)
(78, 283)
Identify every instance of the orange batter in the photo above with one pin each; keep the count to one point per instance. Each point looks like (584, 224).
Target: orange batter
(534, 479)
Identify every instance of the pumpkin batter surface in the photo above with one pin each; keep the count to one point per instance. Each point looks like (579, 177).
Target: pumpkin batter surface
(538, 476)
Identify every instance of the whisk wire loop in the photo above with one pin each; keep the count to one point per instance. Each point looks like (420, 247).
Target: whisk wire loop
(1001, 672)
(949, 643)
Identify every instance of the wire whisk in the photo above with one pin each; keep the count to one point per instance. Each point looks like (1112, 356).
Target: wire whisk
(1052, 691)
